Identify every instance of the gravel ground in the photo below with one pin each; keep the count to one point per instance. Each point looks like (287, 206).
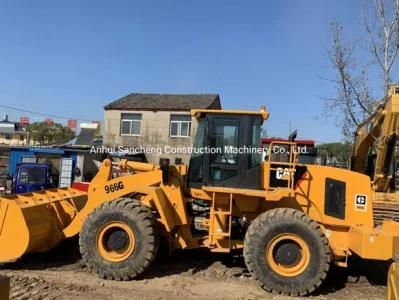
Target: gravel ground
(187, 274)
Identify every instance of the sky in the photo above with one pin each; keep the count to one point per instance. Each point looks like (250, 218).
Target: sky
(70, 58)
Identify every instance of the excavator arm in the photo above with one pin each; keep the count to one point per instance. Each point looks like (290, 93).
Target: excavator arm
(380, 131)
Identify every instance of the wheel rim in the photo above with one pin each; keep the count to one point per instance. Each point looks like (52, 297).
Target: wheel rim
(115, 241)
(288, 255)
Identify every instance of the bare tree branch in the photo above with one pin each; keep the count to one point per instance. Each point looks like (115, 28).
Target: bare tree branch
(384, 37)
(353, 101)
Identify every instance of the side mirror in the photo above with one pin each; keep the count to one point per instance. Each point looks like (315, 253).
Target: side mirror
(164, 165)
(293, 136)
(77, 172)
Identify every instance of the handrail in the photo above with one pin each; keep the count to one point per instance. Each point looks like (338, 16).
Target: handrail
(292, 160)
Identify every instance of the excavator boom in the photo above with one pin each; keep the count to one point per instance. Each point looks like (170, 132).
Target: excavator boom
(378, 134)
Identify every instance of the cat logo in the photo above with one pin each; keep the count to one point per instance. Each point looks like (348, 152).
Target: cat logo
(360, 202)
(282, 174)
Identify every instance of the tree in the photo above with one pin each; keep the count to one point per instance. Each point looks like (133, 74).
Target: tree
(353, 101)
(384, 36)
(335, 152)
(45, 133)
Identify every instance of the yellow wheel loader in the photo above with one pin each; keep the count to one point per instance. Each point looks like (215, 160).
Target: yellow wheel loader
(291, 220)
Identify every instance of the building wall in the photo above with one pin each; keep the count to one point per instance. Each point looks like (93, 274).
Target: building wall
(155, 128)
(15, 139)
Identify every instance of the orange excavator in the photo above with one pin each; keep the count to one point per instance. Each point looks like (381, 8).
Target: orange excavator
(374, 154)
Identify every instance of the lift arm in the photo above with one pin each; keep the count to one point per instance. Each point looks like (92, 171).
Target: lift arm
(104, 188)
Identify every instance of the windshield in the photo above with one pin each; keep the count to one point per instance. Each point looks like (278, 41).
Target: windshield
(32, 175)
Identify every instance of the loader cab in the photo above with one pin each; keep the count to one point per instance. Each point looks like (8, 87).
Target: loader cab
(227, 150)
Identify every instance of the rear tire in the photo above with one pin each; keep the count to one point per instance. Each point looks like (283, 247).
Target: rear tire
(119, 240)
(286, 252)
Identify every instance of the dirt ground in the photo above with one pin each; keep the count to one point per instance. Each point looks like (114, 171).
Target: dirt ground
(186, 275)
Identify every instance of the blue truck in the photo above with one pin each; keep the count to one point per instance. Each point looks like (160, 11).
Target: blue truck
(31, 177)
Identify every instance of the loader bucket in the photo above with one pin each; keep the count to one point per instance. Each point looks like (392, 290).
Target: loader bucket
(34, 222)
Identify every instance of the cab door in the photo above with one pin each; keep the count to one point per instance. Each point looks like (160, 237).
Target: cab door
(225, 136)
(224, 140)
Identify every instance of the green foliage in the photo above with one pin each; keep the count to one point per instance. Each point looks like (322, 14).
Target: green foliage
(341, 152)
(46, 134)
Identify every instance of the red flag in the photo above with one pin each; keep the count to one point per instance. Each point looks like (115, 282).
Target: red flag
(72, 124)
(24, 121)
(49, 121)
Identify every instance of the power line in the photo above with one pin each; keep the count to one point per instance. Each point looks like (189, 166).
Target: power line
(44, 114)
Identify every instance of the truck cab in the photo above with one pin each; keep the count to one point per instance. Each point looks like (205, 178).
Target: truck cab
(30, 177)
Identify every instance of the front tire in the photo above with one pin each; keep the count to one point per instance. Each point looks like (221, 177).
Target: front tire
(119, 239)
(286, 252)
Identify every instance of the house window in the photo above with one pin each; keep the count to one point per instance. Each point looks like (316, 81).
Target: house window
(180, 125)
(8, 136)
(131, 124)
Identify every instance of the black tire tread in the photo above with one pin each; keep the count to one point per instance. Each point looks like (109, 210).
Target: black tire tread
(146, 222)
(267, 219)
